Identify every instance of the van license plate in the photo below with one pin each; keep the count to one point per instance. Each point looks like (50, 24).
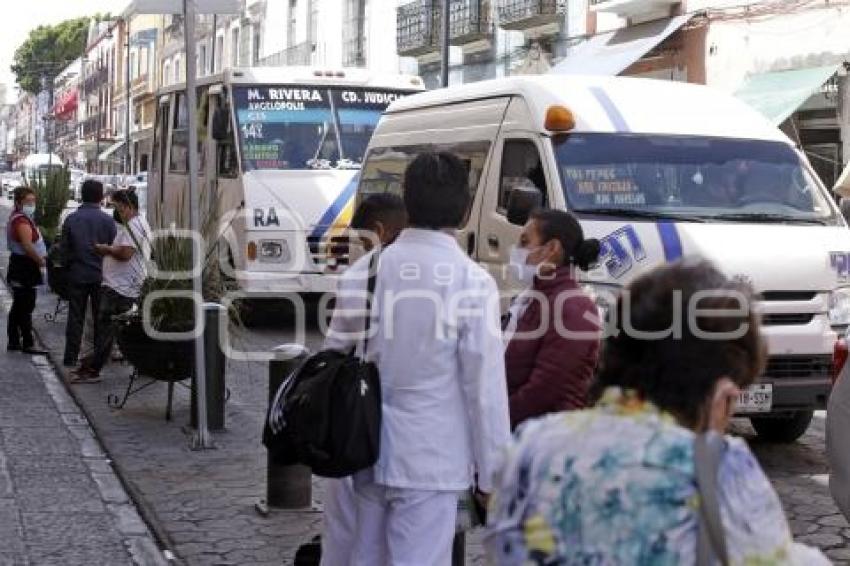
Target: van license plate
(756, 399)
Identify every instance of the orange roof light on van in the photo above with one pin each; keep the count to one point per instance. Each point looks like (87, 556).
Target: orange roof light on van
(559, 119)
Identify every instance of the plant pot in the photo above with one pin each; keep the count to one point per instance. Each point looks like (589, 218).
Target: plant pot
(162, 360)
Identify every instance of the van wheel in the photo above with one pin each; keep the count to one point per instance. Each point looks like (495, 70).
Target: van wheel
(782, 429)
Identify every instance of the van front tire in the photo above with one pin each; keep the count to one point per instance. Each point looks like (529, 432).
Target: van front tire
(782, 429)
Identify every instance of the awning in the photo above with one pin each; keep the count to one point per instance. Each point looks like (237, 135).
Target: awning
(778, 94)
(613, 52)
(110, 150)
(66, 105)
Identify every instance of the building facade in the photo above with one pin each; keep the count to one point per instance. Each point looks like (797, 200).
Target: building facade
(788, 53)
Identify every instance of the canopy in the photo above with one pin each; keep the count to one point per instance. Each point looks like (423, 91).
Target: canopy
(66, 105)
(110, 150)
(779, 93)
(613, 52)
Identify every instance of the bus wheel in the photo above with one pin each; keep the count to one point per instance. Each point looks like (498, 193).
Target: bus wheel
(782, 429)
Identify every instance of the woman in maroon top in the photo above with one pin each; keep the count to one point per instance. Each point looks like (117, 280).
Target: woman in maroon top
(553, 328)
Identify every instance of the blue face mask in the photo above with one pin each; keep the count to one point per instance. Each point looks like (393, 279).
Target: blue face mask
(28, 209)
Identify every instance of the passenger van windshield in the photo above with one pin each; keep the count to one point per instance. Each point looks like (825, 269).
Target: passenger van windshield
(689, 177)
(307, 127)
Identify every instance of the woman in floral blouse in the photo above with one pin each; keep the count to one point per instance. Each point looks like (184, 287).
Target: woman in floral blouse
(615, 484)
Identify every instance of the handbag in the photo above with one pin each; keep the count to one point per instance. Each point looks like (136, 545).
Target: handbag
(711, 542)
(327, 413)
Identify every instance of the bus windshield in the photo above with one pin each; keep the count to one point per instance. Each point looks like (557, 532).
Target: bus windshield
(689, 177)
(307, 127)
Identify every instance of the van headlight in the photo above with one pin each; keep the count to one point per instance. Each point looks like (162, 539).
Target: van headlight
(604, 295)
(273, 251)
(839, 307)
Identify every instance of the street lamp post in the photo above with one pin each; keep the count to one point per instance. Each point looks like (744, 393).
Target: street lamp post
(190, 9)
(444, 46)
(127, 166)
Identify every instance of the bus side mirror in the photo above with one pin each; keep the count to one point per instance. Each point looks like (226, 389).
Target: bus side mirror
(521, 202)
(220, 124)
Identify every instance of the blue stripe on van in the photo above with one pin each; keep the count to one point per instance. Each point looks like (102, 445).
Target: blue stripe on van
(334, 210)
(670, 240)
(617, 119)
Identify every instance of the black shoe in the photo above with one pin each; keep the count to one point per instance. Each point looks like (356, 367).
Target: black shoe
(33, 351)
(13, 348)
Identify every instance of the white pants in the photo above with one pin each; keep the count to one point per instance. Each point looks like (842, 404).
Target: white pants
(376, 525)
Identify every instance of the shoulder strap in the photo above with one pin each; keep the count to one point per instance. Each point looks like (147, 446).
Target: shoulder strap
(708, 454)
(370, 292)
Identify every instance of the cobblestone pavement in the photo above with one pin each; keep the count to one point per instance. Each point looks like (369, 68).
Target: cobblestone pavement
(60, 501)
(201, 503)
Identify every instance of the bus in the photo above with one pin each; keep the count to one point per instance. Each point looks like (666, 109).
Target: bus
(280, 151)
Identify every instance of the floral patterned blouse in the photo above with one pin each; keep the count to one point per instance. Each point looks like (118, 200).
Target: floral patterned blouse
(614, 485)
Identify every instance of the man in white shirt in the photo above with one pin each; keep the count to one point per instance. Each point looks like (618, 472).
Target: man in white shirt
(437, 344)
(124, 273)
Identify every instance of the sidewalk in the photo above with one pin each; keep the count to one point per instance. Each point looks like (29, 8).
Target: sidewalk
(60, 501)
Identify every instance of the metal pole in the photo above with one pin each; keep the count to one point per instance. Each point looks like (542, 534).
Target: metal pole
(444, 46)
(127, 97)
(202, 438)
(85, 102)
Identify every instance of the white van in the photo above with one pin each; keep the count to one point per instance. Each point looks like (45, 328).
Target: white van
(656, 170)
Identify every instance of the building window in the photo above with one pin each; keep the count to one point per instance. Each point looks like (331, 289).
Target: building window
(256, 43)
(219, 52)
(166, 73)
(202, 69)
(234, 47)
(134, 71)
(177, 70)
(291, 23)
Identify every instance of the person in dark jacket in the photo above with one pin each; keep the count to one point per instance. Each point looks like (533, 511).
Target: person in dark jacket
(553, 329)
(84, 229)
(27, 252)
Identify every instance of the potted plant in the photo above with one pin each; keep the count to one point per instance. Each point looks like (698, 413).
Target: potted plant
(169, 360)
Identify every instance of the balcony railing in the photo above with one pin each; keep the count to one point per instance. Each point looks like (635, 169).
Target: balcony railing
(301, 54)
(527, 14)
(95, 79)
(634, 8)
(470, 21)
(418, 28)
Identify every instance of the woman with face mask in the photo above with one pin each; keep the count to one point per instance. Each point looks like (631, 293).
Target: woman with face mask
(28, 251)
(552, 332)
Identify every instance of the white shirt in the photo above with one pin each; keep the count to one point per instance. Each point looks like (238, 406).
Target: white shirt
(436, 340)
(127, 277)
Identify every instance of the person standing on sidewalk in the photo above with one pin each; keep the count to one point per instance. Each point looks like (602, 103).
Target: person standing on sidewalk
(81, 232)
(554, 330)
(28, 253)
(378, 220)
(124, 272)
(437, 344)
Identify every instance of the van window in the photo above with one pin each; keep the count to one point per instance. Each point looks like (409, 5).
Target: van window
(385, 166)
(179, 157)
(664, 176)
(521, 167)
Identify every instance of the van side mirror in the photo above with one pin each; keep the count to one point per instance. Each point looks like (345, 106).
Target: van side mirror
(221, 124)
(522, 201)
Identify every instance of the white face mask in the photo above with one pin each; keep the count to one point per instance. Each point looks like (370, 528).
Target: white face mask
(28, 209)
(521, 269)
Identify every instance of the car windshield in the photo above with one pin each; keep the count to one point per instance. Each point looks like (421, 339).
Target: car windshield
(689, 177)
(307, 127)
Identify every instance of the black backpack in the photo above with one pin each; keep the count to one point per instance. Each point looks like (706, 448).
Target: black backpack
(327, 414)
